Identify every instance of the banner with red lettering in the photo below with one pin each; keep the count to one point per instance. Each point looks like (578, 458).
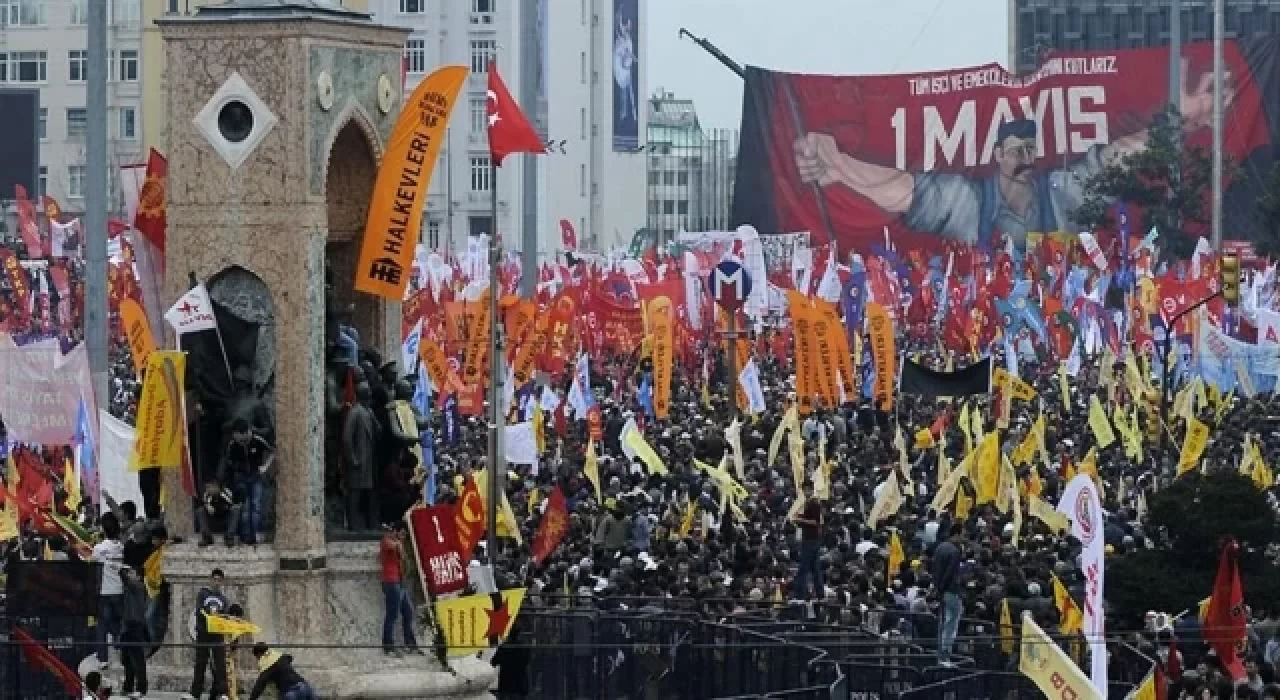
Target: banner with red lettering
(611, 325)
(559, 347)
(974, 154)
(434, 533)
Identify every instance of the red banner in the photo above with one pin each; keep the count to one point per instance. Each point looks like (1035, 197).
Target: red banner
(27, 225)
(17, 280)
(435, 541)
(469, 518)
(971, 154)
(559, 347)
(614, 325)
(552, 529)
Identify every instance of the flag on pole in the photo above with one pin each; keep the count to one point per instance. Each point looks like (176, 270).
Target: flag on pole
(509, 128)
(86, 450)
(193, 312)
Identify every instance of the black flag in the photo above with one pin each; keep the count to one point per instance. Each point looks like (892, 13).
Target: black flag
(922, 381)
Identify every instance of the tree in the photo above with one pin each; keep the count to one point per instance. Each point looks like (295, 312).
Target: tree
(1190, 519)
(1167, 181)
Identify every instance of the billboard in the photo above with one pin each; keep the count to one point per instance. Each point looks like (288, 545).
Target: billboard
(626, 75)
(20, 147)
(977, 154)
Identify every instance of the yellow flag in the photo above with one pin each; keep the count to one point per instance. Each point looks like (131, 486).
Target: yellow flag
(790, 421)
(471, 623)
(686, 523)
(508, 526)
(71, 484)
(944, 466)
(539, 427)
(1049, 667)
(964, 503)
(924, 439)
(233, 626)
(1193, 446)
(896, 556)
(1047, 514)
(153, 572)
(1147, 689)
(158, 441)
(1261, 475)
(1089, 465)
(1007, 638)
(1070, 618)
(1026, 450)
(1064, 387)
(986, 469)
(11, 474)
(1017, 388)
(592, 469)
(964, 428)
(636, 447)
(1098, 422)
(887, 503)
(8, 523)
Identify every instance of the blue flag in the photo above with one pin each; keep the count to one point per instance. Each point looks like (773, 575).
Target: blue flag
(88, 450)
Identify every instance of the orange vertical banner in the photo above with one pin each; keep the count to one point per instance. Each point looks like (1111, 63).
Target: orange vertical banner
(400, 192)
(517, 318)
(137, 331)
(527, 356)
(802, 330)
(437, 366)
(883, 354)
(826, 360)
(661, 318)
(840, 347)
(474, 371)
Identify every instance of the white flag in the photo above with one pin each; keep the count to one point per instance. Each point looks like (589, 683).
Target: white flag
(193, 312)
(750, 379)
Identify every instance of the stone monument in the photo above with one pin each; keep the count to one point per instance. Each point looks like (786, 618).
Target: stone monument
(276, 114)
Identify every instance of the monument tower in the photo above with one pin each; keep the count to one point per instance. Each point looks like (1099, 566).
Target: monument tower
(276, 112)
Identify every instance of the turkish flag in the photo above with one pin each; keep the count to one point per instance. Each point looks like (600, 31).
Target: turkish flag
(568, 237)
(509, 129)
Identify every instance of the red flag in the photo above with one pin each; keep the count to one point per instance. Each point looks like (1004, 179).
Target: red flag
(1224, 623)
(52, 212)
(1175, 662)
(434, 533)
(151, 219)
(40, 656)
(568, 237)
(509, 129)
(469, 518)
(552, 529)
(27, 225)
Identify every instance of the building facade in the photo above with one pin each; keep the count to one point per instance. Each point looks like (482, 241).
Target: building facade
(566, 88)
(690, 169)
(44, 44)
(1036, 26)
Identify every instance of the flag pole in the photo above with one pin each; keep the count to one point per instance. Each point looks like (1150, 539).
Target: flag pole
(497, 467)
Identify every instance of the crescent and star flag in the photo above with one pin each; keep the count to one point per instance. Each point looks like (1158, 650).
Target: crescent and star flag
(922, 381)
(509, 129)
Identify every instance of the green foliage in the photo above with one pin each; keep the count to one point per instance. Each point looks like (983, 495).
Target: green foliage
(1167, 181)
(1196, 514)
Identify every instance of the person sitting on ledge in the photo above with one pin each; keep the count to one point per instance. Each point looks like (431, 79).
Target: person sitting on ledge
(276, 669)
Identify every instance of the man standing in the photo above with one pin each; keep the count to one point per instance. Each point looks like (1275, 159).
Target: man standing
(359, 440)
(946, 580)
(391, 561)
(209, 647)
(133, 640)
(810, 523)
(110, 551)
(244, 467)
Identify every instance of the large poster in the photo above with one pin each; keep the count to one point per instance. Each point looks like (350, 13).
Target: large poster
(626, 75)
(976, 154)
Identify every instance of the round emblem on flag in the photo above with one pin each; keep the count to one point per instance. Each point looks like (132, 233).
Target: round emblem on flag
(1084, 515)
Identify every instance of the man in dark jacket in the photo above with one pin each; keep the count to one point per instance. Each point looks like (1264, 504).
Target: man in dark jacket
(946, 581)
(276, 669)
(133, 639)
(360, 441)
(210, 647)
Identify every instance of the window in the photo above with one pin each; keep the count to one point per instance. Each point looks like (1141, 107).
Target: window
(79, 12)
(682, 207)
(172, 7)
(126, 13)
(654, 177)
(129, 65)
(22, 13)
(44, 123)
(479, 115)
(582, 180)
(433, 234)
(479, 225)
(128, 123)
(75, 181)
(77, 65)
(582, 67)
(582, 123)
(482, 11)
(668, 178)
(27, 66)
(682, 178)
(480, 173)
(43, 184)
(481, 51)
(668, 206)
(77, 120)
(410, 7)
(415, 55)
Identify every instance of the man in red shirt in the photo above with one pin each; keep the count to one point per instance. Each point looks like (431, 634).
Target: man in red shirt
(391, 560)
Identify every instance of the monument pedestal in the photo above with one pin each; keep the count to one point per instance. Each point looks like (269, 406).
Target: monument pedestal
(345, 596)
(276, 112)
